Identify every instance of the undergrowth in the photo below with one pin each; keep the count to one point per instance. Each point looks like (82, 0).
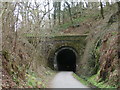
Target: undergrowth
(93, 82)
(34, 81)
(76, 21)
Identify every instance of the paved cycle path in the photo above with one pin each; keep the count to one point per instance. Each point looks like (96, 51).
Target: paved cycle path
(66, 80)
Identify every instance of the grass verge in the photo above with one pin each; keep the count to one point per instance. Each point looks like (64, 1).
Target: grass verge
(98, 84)
(81, 80)
(93, 82)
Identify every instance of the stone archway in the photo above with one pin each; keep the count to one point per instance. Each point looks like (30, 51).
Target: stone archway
(65, 59)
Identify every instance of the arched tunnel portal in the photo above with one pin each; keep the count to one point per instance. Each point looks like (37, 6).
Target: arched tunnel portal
(65, 59)
(62, 53)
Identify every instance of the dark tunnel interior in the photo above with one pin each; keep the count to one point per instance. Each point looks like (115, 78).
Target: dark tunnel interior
(66, 60)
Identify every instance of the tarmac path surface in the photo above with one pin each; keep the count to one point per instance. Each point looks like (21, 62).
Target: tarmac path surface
(66, 80)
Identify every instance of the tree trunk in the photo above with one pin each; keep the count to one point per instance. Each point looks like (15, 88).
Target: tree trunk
(69, 11)
(54, 16)
(59, 9)
(63, 17)
(101, 11)
(49, 14)
(107, 4)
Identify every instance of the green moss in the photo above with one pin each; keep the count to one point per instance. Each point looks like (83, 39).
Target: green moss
(28, 35)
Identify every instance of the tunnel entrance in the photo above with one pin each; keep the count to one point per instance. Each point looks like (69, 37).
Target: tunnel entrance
(66, 59)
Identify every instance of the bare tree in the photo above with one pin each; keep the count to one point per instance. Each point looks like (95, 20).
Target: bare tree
(49, 13)
(59, 9)
(101, 11)
(69, 8)
(55, 9)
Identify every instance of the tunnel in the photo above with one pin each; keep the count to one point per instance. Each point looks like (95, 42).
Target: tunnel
(66, 59)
